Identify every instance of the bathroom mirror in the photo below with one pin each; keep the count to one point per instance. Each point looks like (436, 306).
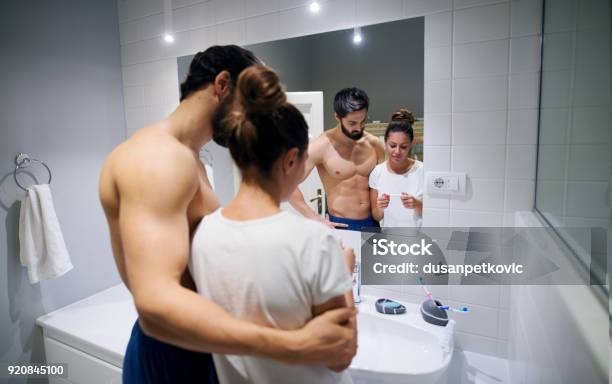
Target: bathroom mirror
(388, 64)
(575, 140)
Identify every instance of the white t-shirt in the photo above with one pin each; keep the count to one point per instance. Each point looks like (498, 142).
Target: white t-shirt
(270, 271)
(411, 182)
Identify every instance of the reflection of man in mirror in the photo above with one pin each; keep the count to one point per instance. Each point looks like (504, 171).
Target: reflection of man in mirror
(344, 157)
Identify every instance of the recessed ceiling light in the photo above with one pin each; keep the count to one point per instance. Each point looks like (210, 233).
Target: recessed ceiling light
(357, 39)
(168, 38)
(315, 7)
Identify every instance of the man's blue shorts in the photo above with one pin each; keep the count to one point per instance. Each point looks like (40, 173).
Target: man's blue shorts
(148, 360)
(355, 225)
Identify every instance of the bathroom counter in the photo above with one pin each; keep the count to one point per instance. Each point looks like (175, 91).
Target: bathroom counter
(79, 324)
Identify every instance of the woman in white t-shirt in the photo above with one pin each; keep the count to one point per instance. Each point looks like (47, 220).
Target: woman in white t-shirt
(258, 262)
(396, 186)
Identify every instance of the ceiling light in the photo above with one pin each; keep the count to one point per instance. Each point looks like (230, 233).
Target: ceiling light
(168, 38)
(357, 39)
(315, 7)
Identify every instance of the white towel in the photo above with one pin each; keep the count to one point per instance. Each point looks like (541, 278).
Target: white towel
(42, 247)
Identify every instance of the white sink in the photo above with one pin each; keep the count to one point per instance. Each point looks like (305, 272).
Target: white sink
(399, 348)
(392, 348)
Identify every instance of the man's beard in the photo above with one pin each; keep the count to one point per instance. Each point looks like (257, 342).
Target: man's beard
(351, 135)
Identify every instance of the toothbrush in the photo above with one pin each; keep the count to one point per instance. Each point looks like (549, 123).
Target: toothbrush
(429, 295)
(449, 308)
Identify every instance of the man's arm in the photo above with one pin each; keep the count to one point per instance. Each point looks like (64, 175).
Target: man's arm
(315, 154)
(155, 236)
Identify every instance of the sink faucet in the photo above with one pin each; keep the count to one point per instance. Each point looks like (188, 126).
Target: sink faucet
(357, 283)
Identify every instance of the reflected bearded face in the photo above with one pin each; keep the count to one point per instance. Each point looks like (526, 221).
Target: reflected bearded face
(353, 124)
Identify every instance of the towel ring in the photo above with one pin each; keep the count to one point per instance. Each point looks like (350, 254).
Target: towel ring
(23, 160)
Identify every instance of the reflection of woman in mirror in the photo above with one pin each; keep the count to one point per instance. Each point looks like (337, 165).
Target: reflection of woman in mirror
(396, 192)
(259, 262)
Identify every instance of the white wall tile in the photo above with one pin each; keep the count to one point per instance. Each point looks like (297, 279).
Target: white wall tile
(458, 4)
(143, 51)
(555, 89)
(479, 161)
(593, 14)
(262, 28)
(436, 201)
(476, 343)
(504, 296)
(481, 23)
(298, 22)
(554, 126)
(141, 29)
(437, 97)
(414, 8)
(160, 94)
(551, 162)
(480, 94)
(481, 195)
(135, 118)
(590, 125)
(260, 7)
(470, 128)
(147, 73)
(524, 90)
(523, 126)
(460, 218)
(227, 10)
(526, 17)
(286, 4)
(438, 130)
(480, 320)
(433, 217)
(589, 162)
(176, 4)
(436, 158)
(502, 349)
(438, 63)
(438, 29)
(195, 40)
(233, 32)
(133, 9)
(339, 12)
(592, 68)
(558, 51)
(133, 96)
(194, 16)
(525, 54)
(561, 16)
(521, 161)
(375, 11)
(520, 195)
(481, 59)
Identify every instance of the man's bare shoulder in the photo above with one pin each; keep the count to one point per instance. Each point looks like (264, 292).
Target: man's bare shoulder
(150, 161)
(373, 142)
(318, 146)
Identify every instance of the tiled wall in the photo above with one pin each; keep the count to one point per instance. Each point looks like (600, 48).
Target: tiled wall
(548, 340)
(481, 92)
(481, 97)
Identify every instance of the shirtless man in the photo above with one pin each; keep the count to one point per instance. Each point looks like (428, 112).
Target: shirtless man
(344, 157)
(154, 191)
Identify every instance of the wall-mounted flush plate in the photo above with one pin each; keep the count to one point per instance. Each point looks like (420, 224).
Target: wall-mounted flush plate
(445, 183)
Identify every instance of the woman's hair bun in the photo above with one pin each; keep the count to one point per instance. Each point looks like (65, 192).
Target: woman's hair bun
(402, 115)
(260, 91)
